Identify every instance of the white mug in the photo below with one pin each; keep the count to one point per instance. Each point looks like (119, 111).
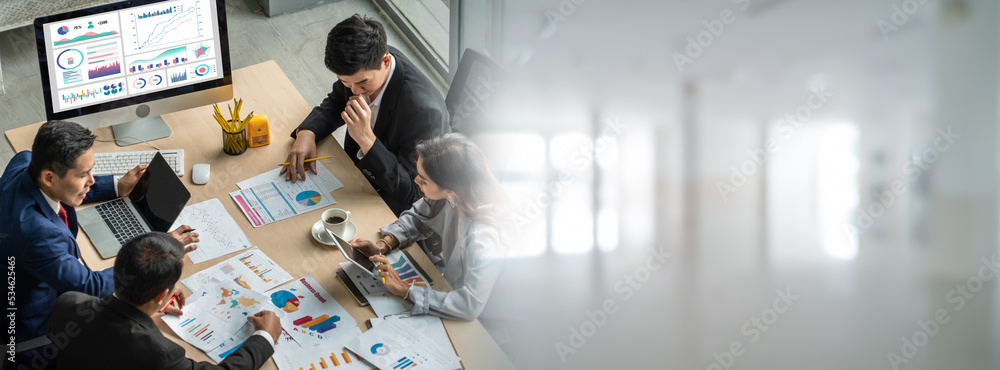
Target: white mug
(336, 227)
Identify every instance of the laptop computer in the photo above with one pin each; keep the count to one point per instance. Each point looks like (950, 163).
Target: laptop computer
(153, 205)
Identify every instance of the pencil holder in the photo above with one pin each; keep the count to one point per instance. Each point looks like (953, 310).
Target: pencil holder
(234, 143)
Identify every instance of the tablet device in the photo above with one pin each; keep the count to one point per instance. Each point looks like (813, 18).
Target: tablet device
(355, 256)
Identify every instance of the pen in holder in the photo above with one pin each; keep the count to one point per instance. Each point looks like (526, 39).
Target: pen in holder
(234, 137)
(234, 143)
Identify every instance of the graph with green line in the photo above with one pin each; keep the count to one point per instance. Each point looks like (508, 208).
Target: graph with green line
(178, 23)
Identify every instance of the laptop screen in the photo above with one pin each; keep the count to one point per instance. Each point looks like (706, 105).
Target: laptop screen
(159, 196)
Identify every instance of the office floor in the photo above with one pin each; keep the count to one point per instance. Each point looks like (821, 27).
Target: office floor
(296, 41)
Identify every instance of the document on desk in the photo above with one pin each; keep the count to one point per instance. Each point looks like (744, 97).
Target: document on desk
(325, 177)
(251, 269)
(378, 296)
(218, 231)
(216, 322)
(428, 325)
(277, 200)
(314, 317)
(393, 344)
(290, 355)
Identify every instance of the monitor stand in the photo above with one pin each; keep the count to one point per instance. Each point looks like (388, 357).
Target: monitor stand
(150, 128)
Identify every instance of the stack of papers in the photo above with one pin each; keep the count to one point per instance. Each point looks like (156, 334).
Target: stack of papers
(393, 344)
(267, 197)
(215, 319)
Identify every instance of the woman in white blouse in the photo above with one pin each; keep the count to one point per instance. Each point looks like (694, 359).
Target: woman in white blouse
(458, 220)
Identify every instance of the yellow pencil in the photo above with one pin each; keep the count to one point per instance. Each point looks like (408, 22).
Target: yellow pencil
(307, 160)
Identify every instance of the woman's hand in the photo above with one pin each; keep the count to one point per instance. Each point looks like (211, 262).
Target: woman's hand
(367, 247)
(392, 281)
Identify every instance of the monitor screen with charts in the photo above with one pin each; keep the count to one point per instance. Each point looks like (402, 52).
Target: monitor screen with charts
(104, 62)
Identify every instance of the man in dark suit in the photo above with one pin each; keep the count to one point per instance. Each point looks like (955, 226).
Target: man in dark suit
(387, 104)
(118, 332)
(38, 225)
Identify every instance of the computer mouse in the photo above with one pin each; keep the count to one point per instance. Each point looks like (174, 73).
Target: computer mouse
(200, 173)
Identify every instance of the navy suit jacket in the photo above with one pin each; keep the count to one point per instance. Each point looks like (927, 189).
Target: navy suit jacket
(412, 110)
(42, 250)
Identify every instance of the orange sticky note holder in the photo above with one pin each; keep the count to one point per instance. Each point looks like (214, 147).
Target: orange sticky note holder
(259, 132)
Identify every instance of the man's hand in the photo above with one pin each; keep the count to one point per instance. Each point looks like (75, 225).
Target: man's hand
(187, 237)
(174, 308)
(303, 148)
(358, 115)
(127, 182)
(267, 321)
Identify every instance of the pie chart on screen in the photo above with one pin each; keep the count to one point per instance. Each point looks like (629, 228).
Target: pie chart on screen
(62, 30)
(308, 198)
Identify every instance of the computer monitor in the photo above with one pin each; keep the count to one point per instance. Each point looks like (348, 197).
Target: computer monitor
(127, 63)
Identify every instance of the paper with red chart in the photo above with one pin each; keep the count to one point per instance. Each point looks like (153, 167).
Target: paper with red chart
(312, 316)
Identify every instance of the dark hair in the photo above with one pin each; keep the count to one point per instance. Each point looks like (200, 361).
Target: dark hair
(354, 44)
(146, 265)
(57, 146)
(455, 163)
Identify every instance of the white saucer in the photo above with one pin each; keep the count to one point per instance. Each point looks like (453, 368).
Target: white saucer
(321, 235)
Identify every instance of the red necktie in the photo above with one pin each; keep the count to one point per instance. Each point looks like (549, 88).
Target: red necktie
(63, 215)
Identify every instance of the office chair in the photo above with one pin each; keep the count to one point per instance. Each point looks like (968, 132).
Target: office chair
(471, 93)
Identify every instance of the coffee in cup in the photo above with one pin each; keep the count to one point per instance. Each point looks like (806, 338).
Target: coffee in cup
(335, 220)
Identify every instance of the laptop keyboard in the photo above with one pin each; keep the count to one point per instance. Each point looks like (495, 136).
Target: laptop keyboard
(123, 224)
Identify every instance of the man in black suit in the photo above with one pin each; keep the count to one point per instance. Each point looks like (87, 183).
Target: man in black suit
(387, 104)
(117, 332)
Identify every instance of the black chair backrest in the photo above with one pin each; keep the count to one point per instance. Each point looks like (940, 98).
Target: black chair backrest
(471, 92)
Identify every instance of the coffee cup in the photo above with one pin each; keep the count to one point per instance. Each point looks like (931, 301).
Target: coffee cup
(335, 220)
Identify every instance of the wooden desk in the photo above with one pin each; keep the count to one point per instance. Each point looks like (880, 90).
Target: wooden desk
(265, 89)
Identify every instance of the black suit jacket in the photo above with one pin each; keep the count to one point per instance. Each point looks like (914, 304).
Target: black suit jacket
(412, 110)
(111, 334)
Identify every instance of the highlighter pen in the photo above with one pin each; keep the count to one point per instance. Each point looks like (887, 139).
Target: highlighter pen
(380, 264)
(168, 303)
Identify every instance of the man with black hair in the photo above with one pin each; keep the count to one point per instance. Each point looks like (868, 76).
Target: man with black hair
(38, 192)
(387, 104)
(118, 332)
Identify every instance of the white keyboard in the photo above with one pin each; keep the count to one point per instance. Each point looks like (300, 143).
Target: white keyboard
(119, 163)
